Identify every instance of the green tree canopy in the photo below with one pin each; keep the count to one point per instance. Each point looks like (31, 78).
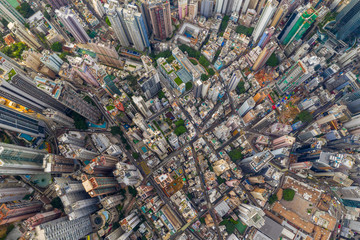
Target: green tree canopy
(25, 10)
(132, 191)
(80, 121)
(180, 122)
(57, 47)
(273, 198)
(288, 194)
(15, 50)
(211, 71)
(47, 15)
(161, 94)
(135, 155)
(236, 154)
(116, 130)
(240, 88)
(204, 77)
(108, 21)
(188, 86)
(244, 30)
(273, 61)
(180, 130)
(304, 116)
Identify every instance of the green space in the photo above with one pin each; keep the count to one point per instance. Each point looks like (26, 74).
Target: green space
(116, 130)
(220, 180)
(330, 16)
(80, 121)
(15, 50)
(170, 59)
(25, 10)
(161, 94)
(47, 15)
(236, 154)
(63, 56)
(194, 62)
(89, 100)
(135, 155)
(164, 54)
(273, 61)
(132, 191)
(244, 30)
(56, 203)
(203, 61)
(303, 116)
(188, 86)
(108, 21)
(110, 107)
(224, 24)
(178, 81)
(231, 225)
(132, 80)
(204, 77)
(211, 71)
(4, 22)
(288, 194)
(8, 230)
(57, 47)
(11, 73)
(240, 88)
(180, 127)
(273, 198)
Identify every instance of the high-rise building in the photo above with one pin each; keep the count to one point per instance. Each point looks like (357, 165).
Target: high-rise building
(266, 37)
(56, 4)
(183, 8)
(13, 120)
(256, 162)
(24, 35)
(245, 6)
(280, 13)
(98, 7)
(298, 23)
(160, 16)
(237, 6)
(98, 186)
(58, 117)
(138, 33)
(13, 212)
(129, 25)
(9, 13)
(140, 103)
(234, 80)
(284, 141)
(150, 84)
(193, 9)
(13, 190)
(264, 55)
(71, 23)
(246, 106)
(52, 61)
(111, 201)
(264, 19)
(58, 164)
(219, 6)
(41, 218)
(251, 215)
(17, 160)
(207, 8)
(22, 90)
(348, 21)
(105, 52)
(127, 174)
(292, 78)
(63, 228)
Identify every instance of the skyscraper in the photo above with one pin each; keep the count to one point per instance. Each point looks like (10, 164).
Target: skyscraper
(348, 21)
(53, 61)
(280, 13)
(58, 164)
(13, 190)
(13, 120)
(264, 19)
(97, 186)
(183, 8)
(193, 9)
(207, 8)
(116, 17)
(127, 174)
(160, 16)
(292, 78)
(13, 212)
(264, 55)
(40, 218)
(22, 90)
(234, 80)
(24, 35)
(140, 103)
(9, 13)
(59, 118)
(298, 23)
(17, 160)
(69, 20)
(58, 3)
(63, 228)
(138, 33)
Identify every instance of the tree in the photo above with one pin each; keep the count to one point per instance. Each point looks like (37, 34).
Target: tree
(108, 21)
(244, 30)
(80, 121)
(211, 71)
(304, 116)
(203, 61)
(116, 130)
(236, 154)
(273, 61)
(180, 130)
(132, 191)
(180, 122)
(224, 23)
(56, 203)
(188, 86)
(25, 10)
(56, 47)
(193, 61)
(161, 94)
(4, 22)
(273, 198)
(220, 180)
(204, 77)
(288, 194)
(63, 56)
(15, 50)
(170, 59)
(47, 15)
(132, 80)
(135, 155)
(240, 89)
